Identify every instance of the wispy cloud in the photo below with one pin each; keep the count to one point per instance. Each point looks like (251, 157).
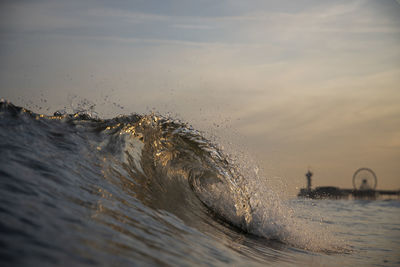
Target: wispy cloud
(193, 26)
(248, 27)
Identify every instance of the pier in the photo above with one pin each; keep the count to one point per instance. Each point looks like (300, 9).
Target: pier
(364, 187)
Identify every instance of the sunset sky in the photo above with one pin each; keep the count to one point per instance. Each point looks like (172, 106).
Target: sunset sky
(295, 84)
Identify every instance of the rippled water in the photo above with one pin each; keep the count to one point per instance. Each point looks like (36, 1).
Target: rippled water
(149, 190)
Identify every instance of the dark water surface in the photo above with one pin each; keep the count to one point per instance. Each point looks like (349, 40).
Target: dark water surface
(147, 190)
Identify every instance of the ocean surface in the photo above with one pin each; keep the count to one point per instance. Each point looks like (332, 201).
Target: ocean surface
(148, 190)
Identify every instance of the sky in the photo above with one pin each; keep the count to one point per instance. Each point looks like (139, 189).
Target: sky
(294, 84)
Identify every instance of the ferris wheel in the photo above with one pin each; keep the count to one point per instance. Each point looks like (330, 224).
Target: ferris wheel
(364, 179)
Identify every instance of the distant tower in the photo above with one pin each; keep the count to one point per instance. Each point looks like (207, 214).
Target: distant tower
(308, 175)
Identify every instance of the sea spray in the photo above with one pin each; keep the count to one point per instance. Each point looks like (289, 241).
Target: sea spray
(273, 217)
(232, 192)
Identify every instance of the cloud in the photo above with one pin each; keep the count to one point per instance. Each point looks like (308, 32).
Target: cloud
(229, 22)
(193, 26)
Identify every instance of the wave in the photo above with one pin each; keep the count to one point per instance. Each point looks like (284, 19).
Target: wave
(151, 160)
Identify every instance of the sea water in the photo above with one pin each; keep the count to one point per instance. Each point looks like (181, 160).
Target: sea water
(145, 190)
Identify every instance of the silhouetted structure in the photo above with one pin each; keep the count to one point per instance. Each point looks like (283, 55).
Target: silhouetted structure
(364, 183)
(308, 175)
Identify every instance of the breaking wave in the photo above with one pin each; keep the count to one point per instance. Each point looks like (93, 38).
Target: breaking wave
(80, 174)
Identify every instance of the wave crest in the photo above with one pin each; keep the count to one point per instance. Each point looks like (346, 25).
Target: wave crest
(167, 165)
